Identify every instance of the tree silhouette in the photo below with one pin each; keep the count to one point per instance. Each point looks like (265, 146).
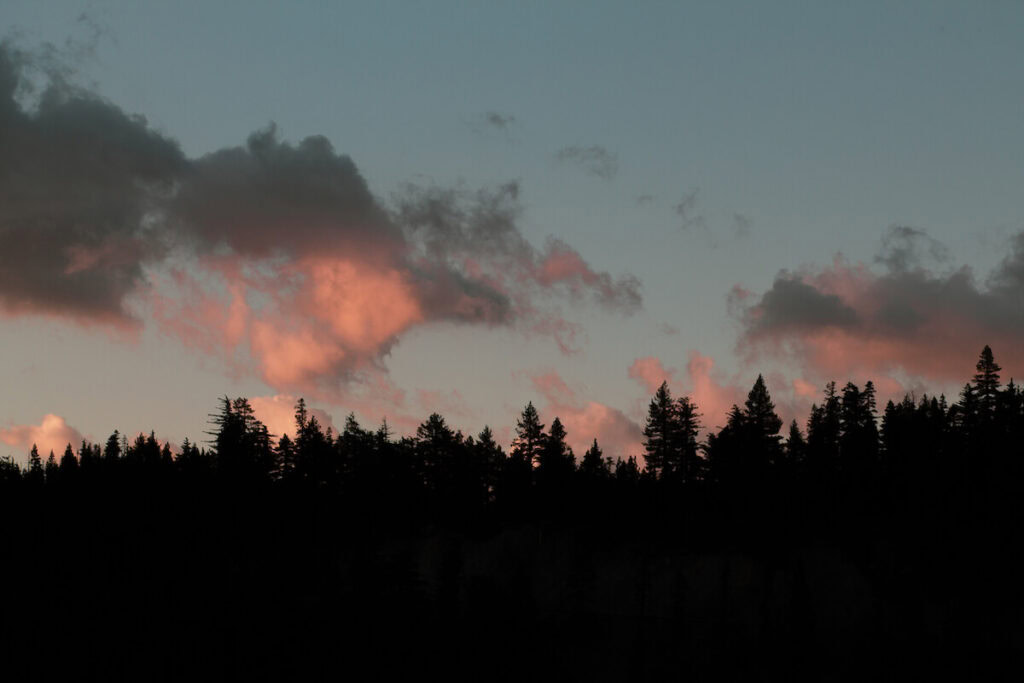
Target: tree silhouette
(529, 441)
(440, 545)
(660, 438)
(986, 383)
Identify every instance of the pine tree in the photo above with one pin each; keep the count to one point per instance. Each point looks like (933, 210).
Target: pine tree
(36, 473)
(761, 427)
(660, 431)
(285, 457)
(491, 456)
(112, 451)
(627, 472)
(68, 462)
(796, 446)
(529, 441)
(556, 462)
(435, 442)
(686, 449)
(593, 464)
(86, 460)
(986, 384)
(52, 468)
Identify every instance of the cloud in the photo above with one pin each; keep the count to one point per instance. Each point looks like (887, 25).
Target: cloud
(846, 319)
(498, 120)
(53, 433)
(584, 420)
(561, 265)
(595, 160)
(78, 178)
(268, 253)
(650, 373)
(904, 248)
(493, 122)
(686, 209)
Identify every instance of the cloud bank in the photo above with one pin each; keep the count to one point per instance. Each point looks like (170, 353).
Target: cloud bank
(272, 254)
(846, 319)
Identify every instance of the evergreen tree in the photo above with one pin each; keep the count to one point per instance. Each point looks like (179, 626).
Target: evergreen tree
(823, 430)
(529, 442)
(492, 458)
(36, 473)
(627, 472)
(112, 451)
(435, 442)
(593, 465)
(86, 459)
(52, 468)
(986, 384)
(68, 463)
(285, 457)
(689, 464)
(556, 462)
(796, 446)
(660, 432)
(760, 430)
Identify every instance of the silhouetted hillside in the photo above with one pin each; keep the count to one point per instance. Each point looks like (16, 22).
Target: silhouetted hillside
(886, 547)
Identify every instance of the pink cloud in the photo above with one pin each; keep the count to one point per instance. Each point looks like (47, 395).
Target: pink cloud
(650, 373)
(585, 420)
(53, 433)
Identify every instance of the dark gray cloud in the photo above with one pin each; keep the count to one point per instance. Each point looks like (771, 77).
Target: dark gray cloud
(269, 196)
(595, 160)
(791, 304)
(78, 178)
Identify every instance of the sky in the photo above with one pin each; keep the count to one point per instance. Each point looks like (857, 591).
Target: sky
(400, 208)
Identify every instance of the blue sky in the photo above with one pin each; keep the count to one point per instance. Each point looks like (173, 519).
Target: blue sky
(801, 130)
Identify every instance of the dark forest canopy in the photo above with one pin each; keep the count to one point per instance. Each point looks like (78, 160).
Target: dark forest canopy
(860, 541)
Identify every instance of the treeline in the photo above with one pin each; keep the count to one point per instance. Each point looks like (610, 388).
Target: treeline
(845, 445)
(858, 543)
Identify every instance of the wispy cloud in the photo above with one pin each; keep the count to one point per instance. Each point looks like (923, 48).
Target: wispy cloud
(595, 160)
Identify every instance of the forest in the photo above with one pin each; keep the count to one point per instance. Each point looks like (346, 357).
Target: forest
(863, 541)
